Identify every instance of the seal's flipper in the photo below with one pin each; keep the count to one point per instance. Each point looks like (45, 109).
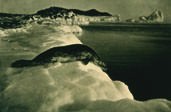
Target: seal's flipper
(85, 61)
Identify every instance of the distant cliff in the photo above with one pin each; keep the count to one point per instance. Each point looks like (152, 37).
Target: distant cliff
(156, 16)
(75, 16)
(58, 15)
(58, 10)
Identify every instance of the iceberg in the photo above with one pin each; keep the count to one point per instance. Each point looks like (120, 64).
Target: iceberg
(156, 16)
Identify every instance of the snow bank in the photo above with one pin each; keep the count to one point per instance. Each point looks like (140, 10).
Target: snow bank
(49, 88)
(7, 32)
(124, 105)
(69, 29)
(37, 38)
(71, 87)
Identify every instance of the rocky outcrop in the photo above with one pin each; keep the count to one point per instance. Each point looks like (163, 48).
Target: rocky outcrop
(155, 17)
(58, 10)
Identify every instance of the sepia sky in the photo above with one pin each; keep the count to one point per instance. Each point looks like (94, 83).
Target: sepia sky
(126, 8)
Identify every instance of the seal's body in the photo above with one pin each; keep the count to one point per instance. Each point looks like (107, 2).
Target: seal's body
(63, 54)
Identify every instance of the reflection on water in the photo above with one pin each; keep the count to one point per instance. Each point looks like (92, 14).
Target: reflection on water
(140, 55)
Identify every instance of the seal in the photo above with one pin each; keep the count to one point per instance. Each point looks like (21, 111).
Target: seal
(63, 54)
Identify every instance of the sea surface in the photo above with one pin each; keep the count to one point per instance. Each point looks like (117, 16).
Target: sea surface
(137, 54)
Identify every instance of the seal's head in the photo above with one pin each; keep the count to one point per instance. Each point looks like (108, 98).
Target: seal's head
(21, 63)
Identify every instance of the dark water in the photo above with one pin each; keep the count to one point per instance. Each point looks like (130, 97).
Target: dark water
(139, 55)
